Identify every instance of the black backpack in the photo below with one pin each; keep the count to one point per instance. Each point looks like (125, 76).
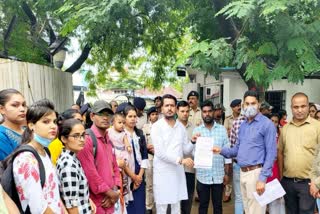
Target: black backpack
(7, 180)
(94, 142)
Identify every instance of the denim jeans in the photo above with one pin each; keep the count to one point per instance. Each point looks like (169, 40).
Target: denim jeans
(238, 206)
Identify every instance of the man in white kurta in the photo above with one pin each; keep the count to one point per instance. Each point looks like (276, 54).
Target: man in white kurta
(171, 143)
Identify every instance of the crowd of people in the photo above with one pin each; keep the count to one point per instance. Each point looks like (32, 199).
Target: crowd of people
(119, 158)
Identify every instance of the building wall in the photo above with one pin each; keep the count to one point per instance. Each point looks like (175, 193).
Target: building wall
(311, 87)
(234, 88)
(44, 81)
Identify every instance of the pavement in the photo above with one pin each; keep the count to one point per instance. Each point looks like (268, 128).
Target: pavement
(228, 208)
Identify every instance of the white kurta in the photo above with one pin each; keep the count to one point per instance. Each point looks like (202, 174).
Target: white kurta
(170, 144)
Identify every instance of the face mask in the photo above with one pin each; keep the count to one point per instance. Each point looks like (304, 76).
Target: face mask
(250, 111)
(43, 141)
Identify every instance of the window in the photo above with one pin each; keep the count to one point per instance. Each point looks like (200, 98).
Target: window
(208, 91)
(277, 99)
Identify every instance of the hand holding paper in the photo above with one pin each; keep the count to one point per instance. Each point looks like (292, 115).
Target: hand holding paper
(216, 150)
(203, 154)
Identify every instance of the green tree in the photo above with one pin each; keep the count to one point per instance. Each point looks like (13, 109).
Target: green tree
(30, 31)
(264, 40)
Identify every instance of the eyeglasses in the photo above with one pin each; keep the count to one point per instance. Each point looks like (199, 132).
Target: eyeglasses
(78, 136)
(102, 114)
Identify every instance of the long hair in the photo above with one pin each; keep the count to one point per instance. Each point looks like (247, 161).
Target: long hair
(34, 113)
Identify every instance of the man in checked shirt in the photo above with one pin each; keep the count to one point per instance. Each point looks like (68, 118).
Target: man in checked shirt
(238, 206)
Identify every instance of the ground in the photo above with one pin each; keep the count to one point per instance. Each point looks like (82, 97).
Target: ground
(228, 208)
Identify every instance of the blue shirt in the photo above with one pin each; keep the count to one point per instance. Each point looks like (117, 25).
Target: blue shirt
(255, 145)
(219, 136)
(9, 140)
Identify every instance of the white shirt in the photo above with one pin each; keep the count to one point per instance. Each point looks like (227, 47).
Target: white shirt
(170, 145)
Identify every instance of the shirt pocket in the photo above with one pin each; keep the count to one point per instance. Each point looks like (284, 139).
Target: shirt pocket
(309, 140)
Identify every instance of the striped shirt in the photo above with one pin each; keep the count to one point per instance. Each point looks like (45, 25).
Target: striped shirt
(219, 136)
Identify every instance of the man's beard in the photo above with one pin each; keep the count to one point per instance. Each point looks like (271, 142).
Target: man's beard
(208, 120)
(169, 117)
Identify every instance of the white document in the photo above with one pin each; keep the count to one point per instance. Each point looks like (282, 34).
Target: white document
(273, 191)
(203, 153)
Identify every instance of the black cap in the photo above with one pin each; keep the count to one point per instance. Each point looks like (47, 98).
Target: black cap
(193, 93)
(84, 108)
(101, 105)
(235, 102)
(121, 107)
(151, 110)
(139, 103)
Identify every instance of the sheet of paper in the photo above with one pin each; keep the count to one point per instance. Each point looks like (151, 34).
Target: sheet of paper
(203, 153)
(272, 192)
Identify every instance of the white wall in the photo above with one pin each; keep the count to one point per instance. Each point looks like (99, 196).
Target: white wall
(45, 82)
(233, 88)
(311, 87)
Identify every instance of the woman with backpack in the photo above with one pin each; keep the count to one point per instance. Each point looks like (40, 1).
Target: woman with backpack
(13, 109)
(40, 131)
(74, 187)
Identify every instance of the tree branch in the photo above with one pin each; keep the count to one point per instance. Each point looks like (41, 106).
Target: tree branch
(52, 35)
(82, 58)
(32, 17)
(227, 26)
(7, 34)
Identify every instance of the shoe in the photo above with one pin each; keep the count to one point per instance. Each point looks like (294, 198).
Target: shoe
(149, 212)
(226, 198)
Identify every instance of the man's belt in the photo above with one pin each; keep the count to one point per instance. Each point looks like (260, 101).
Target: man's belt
(298, 180)
(250, 168)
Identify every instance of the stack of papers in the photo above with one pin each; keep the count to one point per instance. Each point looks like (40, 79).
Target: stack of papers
(203, 153)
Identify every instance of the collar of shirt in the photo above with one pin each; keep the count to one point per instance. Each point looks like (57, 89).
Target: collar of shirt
(256, 118)
(198, 109)
(69, 152)
(213, 127)
(96, 131)
(308, 120)
(175, 124)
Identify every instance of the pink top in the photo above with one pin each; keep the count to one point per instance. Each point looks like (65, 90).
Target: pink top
(102, 172)
(117, 139)
(275, 168)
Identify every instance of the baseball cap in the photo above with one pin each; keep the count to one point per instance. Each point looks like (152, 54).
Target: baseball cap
(101, 105)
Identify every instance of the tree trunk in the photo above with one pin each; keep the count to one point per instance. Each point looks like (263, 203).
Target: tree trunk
(82, 58)
(229, 29)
